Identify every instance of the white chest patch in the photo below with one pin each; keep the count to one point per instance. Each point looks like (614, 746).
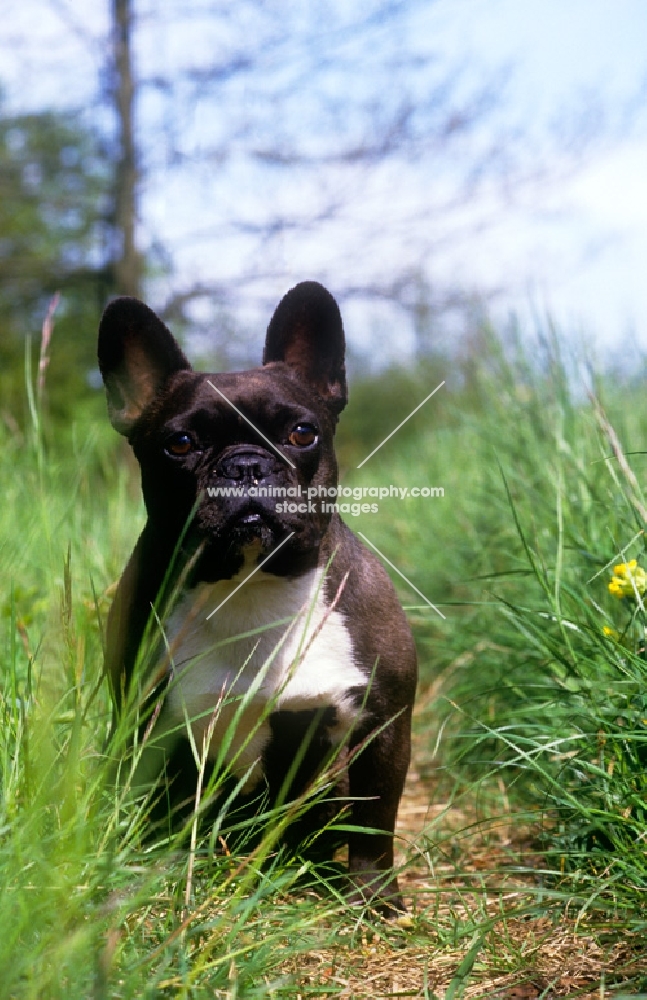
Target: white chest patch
(273, 643)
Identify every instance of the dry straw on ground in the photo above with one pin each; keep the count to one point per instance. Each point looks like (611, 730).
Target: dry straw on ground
(522, 956)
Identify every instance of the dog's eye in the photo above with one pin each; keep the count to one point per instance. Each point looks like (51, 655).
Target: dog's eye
(179, 444)
(302, 435)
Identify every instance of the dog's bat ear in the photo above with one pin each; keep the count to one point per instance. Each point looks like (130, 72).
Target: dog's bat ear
(137, 355)
(306, 333)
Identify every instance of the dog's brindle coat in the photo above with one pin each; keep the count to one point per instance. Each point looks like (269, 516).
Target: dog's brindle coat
(344, 669)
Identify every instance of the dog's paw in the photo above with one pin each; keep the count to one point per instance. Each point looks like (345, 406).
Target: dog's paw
(378, 891)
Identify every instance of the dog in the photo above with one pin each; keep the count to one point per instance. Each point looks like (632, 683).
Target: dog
(279, 620)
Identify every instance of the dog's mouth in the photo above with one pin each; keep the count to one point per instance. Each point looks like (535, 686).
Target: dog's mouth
(248, 532)
(251, 520)
(253, 526)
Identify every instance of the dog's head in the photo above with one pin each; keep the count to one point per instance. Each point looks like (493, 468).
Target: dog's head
(256, 435)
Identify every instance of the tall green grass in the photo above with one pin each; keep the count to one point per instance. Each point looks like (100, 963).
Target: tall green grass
(542, 673)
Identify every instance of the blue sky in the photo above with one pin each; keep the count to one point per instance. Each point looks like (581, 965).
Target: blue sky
(581, 248)
(574, 243)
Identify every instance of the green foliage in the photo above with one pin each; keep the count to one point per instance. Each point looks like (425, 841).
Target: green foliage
(55, 236)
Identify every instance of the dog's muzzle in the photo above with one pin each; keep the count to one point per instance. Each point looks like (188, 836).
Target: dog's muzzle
(246, 466)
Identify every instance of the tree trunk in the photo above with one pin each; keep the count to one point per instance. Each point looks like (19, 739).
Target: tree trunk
(127, 265)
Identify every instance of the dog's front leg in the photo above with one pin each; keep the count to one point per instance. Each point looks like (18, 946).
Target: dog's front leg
(376, 779)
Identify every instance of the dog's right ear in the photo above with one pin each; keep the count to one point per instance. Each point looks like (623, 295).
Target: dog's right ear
(137, 355)
(306, 333)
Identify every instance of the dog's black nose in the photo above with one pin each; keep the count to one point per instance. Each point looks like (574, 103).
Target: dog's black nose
(245, 466)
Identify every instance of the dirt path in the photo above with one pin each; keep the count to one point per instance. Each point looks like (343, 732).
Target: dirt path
(458, 878)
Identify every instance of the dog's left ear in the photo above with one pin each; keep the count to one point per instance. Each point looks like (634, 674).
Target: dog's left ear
(306, 333)
(137, 356)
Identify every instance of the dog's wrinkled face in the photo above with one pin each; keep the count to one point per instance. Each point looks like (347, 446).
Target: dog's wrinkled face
(234, 453)
(195, 447)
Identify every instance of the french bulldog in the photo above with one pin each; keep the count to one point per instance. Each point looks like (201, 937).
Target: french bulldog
(265, 613)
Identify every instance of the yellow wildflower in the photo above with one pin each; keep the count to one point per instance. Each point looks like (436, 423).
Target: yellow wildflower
(628, 580)
(611, 633)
